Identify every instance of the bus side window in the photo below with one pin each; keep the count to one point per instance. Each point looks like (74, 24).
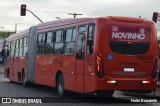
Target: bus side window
(80, 46)
(40, 43)
(21, 47)
(17, 47)
(90, 39)
(13, 43)
(59, 42)
(25, 46)
(70, 41)
(8, 49)
(82, 29)
(48, 47)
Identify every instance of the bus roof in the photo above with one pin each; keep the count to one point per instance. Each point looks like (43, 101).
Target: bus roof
(18, 35)
(62, 22)
(131, 19)
(65, 21)
(127, 19)
(70, 21)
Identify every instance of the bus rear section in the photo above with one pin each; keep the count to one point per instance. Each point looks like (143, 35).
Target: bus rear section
(126, 55)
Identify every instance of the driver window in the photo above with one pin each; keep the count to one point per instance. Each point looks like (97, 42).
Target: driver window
(90, 39)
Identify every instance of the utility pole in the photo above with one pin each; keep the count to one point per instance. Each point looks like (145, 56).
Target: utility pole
(74, 14)
(15, 28)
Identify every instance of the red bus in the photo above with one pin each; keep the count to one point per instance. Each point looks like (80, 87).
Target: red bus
(86, 55)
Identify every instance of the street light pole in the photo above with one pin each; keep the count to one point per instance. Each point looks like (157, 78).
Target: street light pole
(15, 28)
(35, 15)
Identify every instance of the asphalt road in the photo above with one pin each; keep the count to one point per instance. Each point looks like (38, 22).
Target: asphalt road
(8, 89)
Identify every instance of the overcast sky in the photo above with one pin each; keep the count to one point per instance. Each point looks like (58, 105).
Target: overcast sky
(47, 10)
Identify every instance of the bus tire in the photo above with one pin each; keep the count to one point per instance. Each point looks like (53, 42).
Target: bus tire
(105, 93)
(8, 73)
(60, 85)
(24, 83)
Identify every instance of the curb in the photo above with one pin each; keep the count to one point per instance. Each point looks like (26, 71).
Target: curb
(154, 94)
(1, 65)
(1, 69)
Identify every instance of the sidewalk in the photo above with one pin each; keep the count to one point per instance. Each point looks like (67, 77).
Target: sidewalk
(153, 94)
(157, 92)
(1, 69)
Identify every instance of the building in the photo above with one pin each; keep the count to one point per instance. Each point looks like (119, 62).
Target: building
(3, 35)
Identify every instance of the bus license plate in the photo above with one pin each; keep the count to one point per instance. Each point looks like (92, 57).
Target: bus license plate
(129, 69)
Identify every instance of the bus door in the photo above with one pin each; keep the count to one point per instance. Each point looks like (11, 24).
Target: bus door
(16, 61)
(80, 48)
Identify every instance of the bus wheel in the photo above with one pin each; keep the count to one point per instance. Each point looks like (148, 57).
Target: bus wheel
(105, 93)
(24, 83)
(60, 85)
(8, 73)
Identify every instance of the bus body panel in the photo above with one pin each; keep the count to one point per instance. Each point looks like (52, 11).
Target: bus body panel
(115, 63)
(15, 65)
(71, 68)
(127, 71)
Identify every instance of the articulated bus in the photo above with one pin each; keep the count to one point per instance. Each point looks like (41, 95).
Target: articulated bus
(86, 55)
